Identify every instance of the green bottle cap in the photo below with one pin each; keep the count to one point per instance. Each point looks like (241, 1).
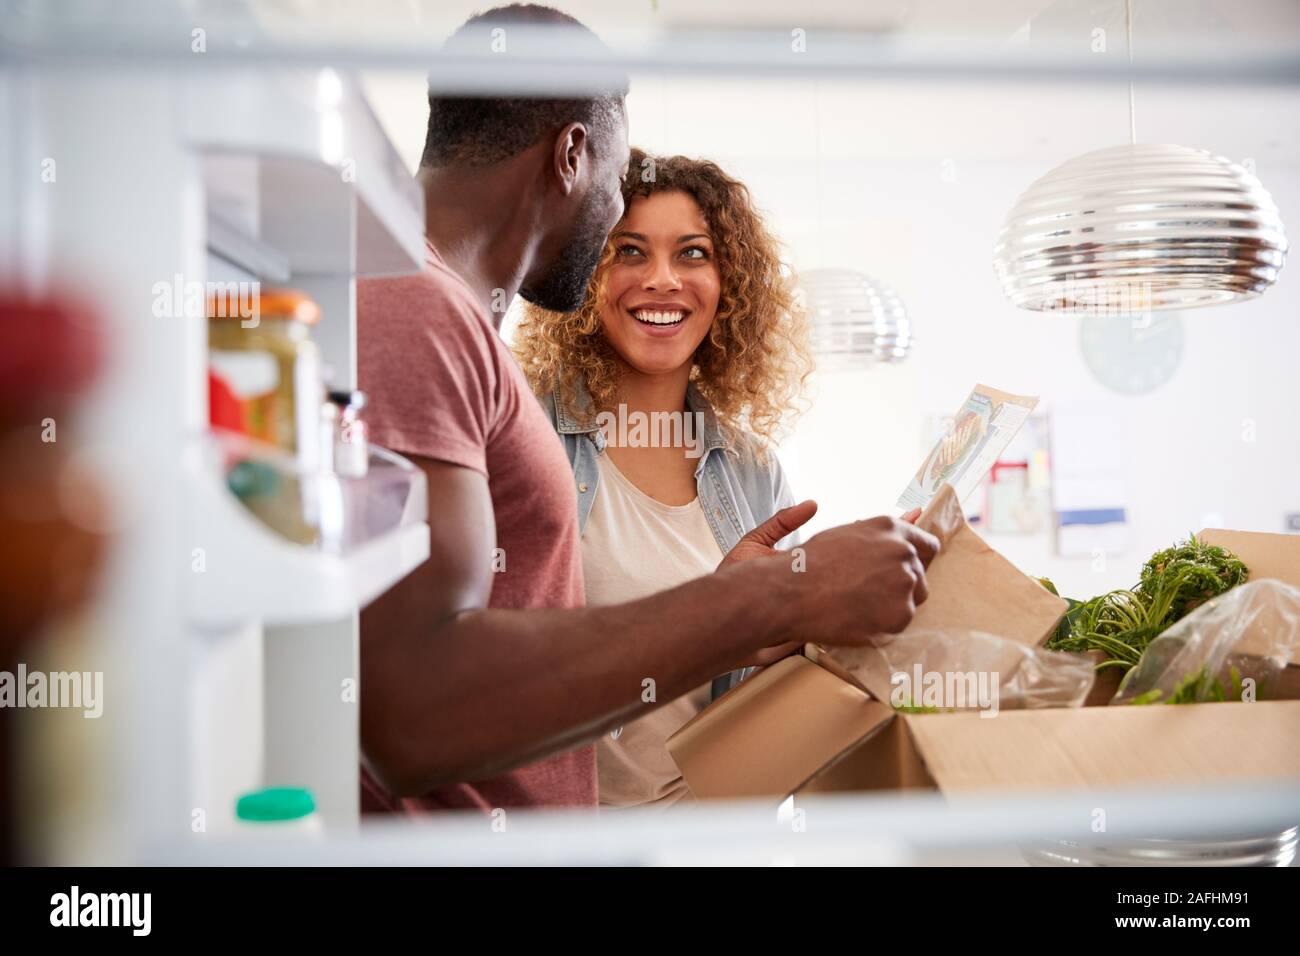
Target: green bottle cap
(275, 805)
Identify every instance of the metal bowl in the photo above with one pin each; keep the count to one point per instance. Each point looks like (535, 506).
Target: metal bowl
(1276, 849)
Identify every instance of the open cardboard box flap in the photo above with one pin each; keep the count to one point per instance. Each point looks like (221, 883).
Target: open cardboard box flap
(775, 731)
(1275, 556)
(796, 727)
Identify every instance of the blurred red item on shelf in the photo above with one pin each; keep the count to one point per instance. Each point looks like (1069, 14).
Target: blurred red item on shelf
(49, 557)
(52, 348)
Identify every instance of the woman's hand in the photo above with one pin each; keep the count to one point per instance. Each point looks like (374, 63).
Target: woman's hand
(761, 542)
(770, 655)
(918, 550)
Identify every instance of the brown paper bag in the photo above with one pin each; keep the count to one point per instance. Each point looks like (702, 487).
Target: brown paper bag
(972, 588)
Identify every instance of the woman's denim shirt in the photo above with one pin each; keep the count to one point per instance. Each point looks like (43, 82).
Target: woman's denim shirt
(737, 490)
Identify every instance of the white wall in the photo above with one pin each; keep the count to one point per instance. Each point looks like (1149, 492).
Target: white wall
(853, 175)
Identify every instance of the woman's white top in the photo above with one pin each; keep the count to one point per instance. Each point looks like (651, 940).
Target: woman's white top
(632, 547)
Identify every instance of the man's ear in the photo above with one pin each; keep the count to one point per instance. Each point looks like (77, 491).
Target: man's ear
(570, 154)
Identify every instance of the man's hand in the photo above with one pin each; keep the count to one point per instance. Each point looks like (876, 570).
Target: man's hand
(880, 563)
(862, 579)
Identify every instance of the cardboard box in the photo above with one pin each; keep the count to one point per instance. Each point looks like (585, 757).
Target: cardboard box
(796, 727)
(809, 725)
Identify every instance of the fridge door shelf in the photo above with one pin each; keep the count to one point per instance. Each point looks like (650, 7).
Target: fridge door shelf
(276, 544)
(300, 177)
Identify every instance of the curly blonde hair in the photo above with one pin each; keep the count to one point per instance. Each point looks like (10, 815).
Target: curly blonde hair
(753, 364)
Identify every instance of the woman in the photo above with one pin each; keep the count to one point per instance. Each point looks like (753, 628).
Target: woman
(668, 387)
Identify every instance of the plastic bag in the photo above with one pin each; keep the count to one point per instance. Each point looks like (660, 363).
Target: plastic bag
(1234, 647)
(968, 670)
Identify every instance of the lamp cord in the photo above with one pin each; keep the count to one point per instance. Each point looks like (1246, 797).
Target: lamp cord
(1132, 108)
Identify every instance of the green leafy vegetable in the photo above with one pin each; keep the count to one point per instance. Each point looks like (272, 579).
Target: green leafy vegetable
(1122, 623)
(1195, 689)
(1202, 571)
(907, 707)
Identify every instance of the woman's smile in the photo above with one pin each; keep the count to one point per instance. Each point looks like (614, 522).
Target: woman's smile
(660, 319)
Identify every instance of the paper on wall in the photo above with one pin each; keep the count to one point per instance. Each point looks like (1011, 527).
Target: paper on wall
(981, 429)
(1088, 490)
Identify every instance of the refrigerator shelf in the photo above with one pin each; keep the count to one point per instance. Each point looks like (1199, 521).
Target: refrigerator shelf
(275, 544)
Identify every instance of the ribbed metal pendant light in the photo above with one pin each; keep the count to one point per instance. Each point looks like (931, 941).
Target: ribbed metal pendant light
(1132, 228)
(856, 320)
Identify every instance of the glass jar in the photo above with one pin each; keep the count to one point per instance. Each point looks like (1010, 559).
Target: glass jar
(265, 356)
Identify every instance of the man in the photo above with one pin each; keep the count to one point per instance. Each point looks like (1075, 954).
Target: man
(484, 678)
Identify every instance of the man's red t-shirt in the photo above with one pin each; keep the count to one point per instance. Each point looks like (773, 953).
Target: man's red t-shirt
(441, 384)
